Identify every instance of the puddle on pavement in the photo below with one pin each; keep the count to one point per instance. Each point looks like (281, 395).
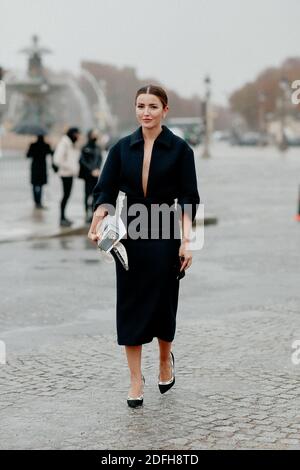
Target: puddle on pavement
(65, 243)
(41, 245)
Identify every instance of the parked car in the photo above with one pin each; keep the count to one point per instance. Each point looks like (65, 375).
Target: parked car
(250, 138)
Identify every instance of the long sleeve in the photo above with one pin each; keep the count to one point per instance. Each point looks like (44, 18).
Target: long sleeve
(29, 152)
(49, 150)
(60, 153)
(99, 158)
(107, 188)
(90, 158)
(188, 197)
(85, 164)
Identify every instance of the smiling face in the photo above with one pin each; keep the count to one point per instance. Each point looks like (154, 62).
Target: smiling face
(149, 110)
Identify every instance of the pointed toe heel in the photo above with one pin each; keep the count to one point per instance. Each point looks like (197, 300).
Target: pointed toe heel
(165, 386)
(137, 401)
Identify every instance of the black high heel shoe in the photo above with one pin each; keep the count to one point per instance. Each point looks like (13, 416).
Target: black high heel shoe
(137, 401)
(165, 386)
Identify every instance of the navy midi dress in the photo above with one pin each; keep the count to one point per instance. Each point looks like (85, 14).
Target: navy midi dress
(147, 294)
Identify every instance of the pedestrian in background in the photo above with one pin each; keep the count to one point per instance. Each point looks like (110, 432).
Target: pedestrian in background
(90, 164)
(38, 152)
(66, 158)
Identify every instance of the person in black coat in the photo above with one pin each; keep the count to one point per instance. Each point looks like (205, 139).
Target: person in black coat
(38, 152)
(90, 164)
(153, 167)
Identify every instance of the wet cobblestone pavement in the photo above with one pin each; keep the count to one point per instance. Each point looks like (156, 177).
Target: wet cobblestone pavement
(65, 382)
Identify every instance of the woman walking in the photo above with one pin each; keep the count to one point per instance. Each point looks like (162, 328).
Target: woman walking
(66, 158)
(152, 166)
(38, 152)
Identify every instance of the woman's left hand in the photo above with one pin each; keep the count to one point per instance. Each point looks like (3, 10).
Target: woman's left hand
(95, 173)
(186, 254)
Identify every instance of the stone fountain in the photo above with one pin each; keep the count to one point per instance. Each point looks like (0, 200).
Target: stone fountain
(37, 90)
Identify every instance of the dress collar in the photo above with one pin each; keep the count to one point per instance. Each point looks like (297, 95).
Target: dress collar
(164, 137)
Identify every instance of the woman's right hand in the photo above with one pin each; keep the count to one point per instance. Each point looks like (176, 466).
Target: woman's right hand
(95, 233)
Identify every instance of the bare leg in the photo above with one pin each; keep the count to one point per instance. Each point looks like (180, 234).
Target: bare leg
(164, 360)
(134, 359)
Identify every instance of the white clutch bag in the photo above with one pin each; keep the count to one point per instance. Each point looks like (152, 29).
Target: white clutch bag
(113, 230)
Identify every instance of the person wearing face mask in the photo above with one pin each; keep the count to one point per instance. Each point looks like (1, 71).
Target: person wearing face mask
(90, 164)
(66, 158)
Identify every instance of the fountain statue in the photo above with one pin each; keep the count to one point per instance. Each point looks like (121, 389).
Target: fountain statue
(36, 114)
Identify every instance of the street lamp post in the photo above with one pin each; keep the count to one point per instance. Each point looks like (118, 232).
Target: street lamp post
(207, 118)
(284, 87)
(261, 116)
(1, 102)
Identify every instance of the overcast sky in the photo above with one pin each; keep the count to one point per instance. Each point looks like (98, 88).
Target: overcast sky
(175, 41)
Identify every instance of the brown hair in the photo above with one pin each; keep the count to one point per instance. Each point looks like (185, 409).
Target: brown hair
(154, 90)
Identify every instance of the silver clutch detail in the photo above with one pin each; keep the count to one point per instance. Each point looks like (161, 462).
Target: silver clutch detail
(113, 230)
